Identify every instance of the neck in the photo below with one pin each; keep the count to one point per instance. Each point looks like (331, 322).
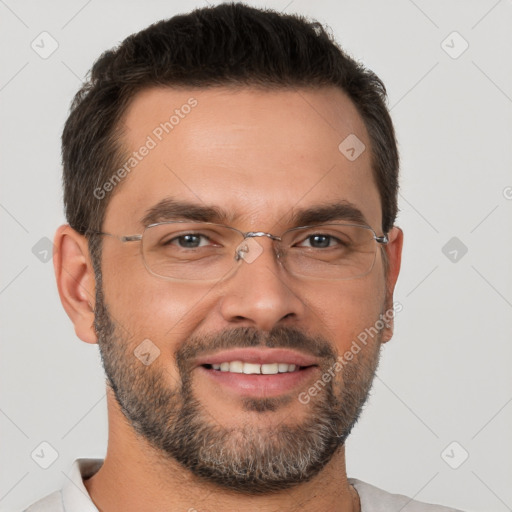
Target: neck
(135, 476)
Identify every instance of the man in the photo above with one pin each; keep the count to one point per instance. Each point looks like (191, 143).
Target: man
(230, 185)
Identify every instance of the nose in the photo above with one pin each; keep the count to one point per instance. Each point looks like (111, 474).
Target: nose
(260, 293)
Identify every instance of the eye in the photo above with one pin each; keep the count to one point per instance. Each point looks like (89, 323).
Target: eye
(189, 241)
(319, 241)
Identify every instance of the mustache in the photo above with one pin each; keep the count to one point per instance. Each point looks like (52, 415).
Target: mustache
(248, 337)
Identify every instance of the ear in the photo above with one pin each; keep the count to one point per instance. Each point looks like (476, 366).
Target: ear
(394, 255)
(75, 280)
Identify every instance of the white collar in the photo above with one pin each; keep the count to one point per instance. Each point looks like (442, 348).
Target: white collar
(74, 494)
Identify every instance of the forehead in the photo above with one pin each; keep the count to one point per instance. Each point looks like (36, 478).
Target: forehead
(258, 154)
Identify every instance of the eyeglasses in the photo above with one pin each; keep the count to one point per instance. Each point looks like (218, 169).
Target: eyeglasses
(204, 251)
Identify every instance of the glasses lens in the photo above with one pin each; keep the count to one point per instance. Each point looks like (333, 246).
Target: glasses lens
(205, 251)
(189, 250)
(330, 251)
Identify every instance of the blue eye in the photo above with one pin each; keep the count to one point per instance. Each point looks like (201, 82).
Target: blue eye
(320, 241)
(189, 241)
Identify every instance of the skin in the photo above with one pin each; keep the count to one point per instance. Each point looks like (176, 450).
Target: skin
(259, 155)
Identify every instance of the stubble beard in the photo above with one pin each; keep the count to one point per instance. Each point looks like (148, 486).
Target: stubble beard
(250, 459)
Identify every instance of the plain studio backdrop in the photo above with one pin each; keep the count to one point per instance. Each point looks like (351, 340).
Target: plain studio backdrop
(437, 425)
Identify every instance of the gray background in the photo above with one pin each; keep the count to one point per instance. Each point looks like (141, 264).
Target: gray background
(444, 378)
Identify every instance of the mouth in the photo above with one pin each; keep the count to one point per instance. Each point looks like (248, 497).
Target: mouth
(258, 372)
(254, 368)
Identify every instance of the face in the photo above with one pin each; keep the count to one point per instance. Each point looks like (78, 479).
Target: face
(257, 161)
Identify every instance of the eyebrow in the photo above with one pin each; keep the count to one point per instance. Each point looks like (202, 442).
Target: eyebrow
(343, 210)
(169, 209)
(172, 209)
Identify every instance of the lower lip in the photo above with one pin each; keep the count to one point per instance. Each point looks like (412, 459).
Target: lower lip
(260, 385)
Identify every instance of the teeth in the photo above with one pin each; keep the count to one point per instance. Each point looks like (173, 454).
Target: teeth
(236, 367)
(269, 369)
(254, 368)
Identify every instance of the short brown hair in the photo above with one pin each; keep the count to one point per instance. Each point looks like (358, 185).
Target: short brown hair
(230, 44)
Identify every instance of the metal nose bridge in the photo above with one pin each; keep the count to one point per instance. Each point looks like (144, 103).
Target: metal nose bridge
(243, 248)
(252, 234)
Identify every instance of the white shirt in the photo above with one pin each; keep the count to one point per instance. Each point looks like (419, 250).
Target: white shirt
(73, 497)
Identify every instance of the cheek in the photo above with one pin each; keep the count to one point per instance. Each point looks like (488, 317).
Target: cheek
(145, 306)
(346, 310)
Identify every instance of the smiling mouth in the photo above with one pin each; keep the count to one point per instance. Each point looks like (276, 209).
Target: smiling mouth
(258, 372)
(255, 368)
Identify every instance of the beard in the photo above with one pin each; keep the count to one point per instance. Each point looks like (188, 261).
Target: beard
(250, 458)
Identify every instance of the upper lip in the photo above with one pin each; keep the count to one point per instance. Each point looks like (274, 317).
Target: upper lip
(259, 356)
